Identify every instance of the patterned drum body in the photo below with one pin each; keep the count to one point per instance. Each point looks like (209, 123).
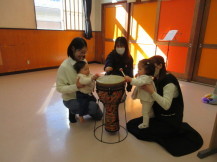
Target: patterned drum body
(110, 89)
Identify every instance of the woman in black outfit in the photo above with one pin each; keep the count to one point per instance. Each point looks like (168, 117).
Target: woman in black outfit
(166, 127)
(120, 58)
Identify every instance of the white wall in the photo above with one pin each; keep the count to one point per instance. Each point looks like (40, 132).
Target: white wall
(110, 1)
(96, 15)
(21, 14)
(17, 14)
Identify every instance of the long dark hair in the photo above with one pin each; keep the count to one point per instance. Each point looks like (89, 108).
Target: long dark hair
(159, 60)
(123, 42)
(76, 44)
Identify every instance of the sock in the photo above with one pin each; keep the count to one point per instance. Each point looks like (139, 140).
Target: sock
(72, 117)
(142, 126)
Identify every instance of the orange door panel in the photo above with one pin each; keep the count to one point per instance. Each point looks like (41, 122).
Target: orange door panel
(208, 64)
(206, 69)
(142, 30)
(175, 58)
(176, 15)
(115, 22)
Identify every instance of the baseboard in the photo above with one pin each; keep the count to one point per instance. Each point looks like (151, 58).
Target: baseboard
(26, 71)
(39, 69)
(94, 62)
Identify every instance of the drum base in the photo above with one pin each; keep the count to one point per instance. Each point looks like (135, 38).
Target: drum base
(119, 138)
(110, 137)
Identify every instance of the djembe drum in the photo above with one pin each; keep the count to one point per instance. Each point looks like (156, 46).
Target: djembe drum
(110, 89)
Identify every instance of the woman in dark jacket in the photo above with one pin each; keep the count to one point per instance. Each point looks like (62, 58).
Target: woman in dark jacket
(168, 105)
(167, 127)
(120, 58)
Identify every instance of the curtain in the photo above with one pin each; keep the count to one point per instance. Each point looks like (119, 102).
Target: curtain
(87, 4)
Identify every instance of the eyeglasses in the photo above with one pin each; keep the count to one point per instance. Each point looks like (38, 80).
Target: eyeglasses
(82, 51)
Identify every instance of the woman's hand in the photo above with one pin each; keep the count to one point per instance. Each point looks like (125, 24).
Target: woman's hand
(78, 84)
(148, 88)
(107, 69)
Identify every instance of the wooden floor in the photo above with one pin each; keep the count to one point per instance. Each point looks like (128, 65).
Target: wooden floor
(34, 125)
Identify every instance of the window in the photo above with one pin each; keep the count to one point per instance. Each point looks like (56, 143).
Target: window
(59, 14)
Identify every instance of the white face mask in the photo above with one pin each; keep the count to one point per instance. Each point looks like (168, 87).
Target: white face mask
(120, 51)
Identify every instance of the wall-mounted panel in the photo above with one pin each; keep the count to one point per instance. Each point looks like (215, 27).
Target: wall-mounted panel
(32, 49)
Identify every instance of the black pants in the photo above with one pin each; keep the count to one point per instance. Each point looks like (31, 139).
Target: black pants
(84, 100)
(178, 142)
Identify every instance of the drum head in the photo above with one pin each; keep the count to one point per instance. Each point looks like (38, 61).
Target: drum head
(110, 80)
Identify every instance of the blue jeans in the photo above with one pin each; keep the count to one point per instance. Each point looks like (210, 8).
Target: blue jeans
(84, 100)
(93, 108)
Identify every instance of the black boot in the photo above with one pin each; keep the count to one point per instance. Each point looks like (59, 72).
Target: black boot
(72, 117)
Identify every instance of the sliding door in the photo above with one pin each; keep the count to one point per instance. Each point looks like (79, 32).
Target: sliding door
(142, 30)
(114, 24)
(191, 55)
(176, 15)
(205, 70)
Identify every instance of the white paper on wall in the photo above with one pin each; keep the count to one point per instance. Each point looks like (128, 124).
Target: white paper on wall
(170, 35)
